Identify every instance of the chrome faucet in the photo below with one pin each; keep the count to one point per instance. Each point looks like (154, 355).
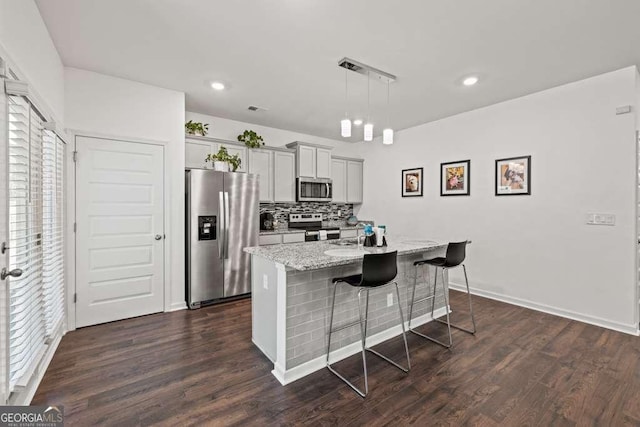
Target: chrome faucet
(360, 226)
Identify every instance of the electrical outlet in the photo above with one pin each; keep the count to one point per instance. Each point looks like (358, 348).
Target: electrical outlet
(265, 281)
(601, 219)
(389, 299)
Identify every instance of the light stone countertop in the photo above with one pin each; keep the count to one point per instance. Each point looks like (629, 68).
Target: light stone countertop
(310, 255)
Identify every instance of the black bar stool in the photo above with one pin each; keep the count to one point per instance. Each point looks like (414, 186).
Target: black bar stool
(377, 270)
(456, 253)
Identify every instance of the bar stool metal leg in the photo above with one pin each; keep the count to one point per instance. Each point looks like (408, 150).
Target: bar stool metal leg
(473, 320)
(363, 320)
(432, 298)
(362, 336)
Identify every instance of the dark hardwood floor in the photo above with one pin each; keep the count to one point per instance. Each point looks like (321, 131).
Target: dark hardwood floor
(200, 367)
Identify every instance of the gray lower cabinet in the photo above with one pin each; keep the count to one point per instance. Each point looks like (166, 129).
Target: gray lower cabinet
(276, 239)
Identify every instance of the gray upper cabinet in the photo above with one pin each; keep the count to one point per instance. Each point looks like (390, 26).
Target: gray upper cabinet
(234, 149)
(339, 178)
(195, 153)
(354, 181)
(197, 149)
(284, 176)
(323, 163)
(261, 163)
(306, 161)
(313, 161)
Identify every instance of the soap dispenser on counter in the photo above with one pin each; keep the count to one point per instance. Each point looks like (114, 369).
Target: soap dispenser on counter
(369, 236)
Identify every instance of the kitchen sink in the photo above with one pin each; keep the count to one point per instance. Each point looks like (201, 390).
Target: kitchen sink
(345, 242)
(347, 252)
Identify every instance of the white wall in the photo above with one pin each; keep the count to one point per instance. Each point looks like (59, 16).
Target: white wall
(101, 105)
(24, 38)
(533, 250)
(230, 129)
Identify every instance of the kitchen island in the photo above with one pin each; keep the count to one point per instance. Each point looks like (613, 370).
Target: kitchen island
(291, 301)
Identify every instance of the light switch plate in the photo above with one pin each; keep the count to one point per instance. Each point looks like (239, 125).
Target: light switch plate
(389, 300)
(265, 281)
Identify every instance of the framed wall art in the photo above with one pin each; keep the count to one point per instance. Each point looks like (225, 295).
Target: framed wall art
(412, 182)
(455, 178)
(513, 176)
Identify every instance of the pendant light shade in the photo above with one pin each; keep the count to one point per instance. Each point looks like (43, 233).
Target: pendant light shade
(387, 136)
(345, 128)
(368, 132)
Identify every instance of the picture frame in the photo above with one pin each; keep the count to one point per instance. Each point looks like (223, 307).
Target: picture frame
(412, 182)
(455, 178)
(513, 176)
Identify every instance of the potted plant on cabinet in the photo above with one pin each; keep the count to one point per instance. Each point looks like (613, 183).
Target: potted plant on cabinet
(251, 139)
(196, 128)
(222, 161)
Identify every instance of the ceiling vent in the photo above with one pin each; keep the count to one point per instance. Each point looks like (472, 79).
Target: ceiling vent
(256, 108)
(360, 68)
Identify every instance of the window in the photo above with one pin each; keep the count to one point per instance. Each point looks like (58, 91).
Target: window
(36, 305)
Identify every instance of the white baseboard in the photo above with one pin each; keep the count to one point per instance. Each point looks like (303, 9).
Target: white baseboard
(177, 306)
(592, 320)
(287, 376)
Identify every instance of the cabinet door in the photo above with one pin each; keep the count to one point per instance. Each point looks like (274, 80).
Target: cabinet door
(240, 151)
(261, 163)
(354, 182)
(339, 177)
(269, 239)
(306, 161)
(284, 176)
(194, 155)
(293, 238)
(323, 163)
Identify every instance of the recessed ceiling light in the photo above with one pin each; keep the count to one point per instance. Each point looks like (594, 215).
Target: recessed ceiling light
(357, 122)
(470, 81)
(217, 85)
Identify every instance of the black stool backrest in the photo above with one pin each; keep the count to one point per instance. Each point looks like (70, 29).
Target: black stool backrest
(379, 269)
(456, 252)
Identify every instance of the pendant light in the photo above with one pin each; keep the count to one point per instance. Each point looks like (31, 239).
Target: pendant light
(368, 127)
(345, 124)
(387, 134)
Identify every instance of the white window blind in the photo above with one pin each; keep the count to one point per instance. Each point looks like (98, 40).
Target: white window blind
(52, 227)
(26, 307)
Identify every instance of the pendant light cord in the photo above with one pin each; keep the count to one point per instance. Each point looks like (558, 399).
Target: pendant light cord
(388, 121)
(368, 98)
(346, 94)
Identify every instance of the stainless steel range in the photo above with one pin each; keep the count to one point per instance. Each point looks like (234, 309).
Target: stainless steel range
(312, 224)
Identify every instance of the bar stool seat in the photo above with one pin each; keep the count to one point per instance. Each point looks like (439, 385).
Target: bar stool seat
(378, 270)
(455, 256)
(353, 280)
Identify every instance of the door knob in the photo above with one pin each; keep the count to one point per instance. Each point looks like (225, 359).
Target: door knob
(16, 272)
(158, 236)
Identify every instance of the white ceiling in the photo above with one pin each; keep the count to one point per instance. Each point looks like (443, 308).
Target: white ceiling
(282, 54)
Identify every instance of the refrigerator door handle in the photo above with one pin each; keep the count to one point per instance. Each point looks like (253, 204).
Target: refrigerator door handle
(220, 225)
(226, 224)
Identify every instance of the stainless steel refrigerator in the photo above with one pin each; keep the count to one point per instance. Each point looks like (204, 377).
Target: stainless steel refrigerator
(222, 219)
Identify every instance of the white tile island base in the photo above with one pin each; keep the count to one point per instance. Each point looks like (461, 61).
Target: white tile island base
(291, 303)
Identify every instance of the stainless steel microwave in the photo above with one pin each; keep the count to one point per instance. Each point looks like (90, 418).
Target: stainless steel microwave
(314, 189)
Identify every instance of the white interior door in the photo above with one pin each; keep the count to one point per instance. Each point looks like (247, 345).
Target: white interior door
(120, 230)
